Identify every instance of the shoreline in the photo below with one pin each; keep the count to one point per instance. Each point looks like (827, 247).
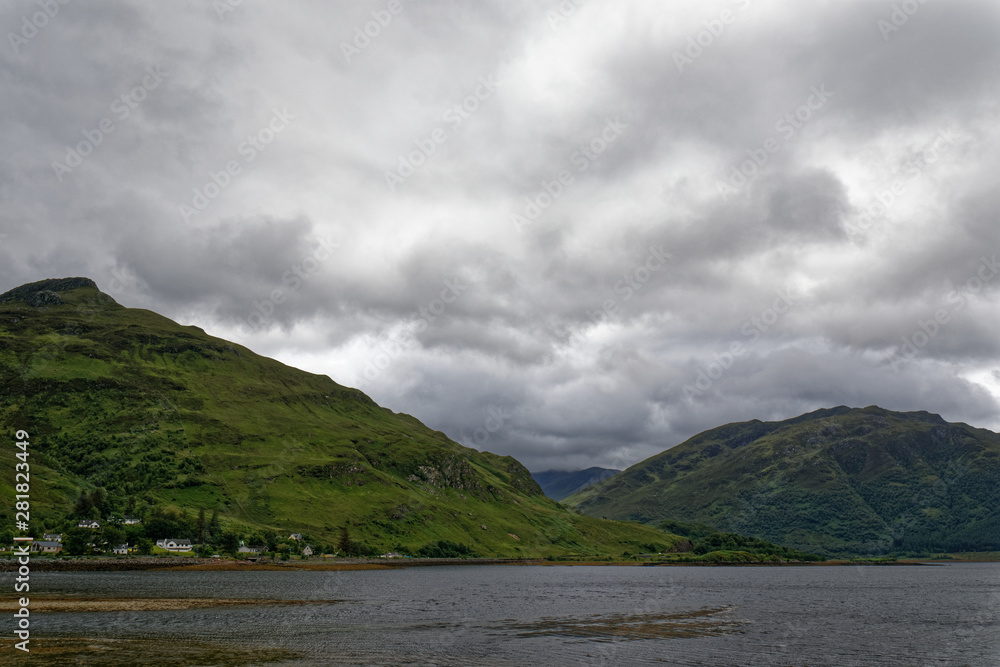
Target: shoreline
(182, 564)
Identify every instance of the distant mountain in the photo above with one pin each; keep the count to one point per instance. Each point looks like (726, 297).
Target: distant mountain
(144, 414)
(834, 481)
(559, 484)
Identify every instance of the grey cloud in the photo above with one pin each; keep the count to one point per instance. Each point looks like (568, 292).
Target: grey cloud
(812, 204)
(228, 267)
(531, 335)
(936, 60)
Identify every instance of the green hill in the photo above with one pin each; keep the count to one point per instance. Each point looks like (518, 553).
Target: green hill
(836, 481)
(145, 416)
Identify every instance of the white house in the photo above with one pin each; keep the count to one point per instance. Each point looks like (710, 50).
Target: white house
(52, 537)
(174, 544)
(46, 547)
(295, 536)
(307, 550)
(252, 550)
(88, 523)
(121, 550)
(129, 520)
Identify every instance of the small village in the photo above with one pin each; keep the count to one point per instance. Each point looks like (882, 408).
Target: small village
(293, 546)
(157, 531)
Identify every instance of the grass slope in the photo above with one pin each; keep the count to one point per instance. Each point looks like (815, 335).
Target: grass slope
(835, 481)
(163, 414)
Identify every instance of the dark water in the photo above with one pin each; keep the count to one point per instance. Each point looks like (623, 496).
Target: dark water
(511, 615)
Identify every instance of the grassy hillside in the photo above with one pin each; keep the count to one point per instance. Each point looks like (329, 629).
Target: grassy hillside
(836, 481)
(161, 415)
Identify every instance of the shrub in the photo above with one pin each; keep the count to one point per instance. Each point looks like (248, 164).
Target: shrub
(445, 549)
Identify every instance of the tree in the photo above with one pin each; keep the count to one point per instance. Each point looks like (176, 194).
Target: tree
(75, 541)
(229, 541)
(201, 527)
(213, 525)
(134, 532)
(83, 505)
(98, 497)
(112, 536)
(165, 524)
(144, 546)
(449, 549)
(344, 543)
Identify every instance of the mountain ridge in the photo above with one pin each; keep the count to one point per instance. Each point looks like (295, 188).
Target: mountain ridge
(560, 484)
(156, 415)
(836, 481)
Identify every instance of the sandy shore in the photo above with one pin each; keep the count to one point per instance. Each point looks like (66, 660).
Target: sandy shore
(237, 565)
(41, 604)
(195, 564)
(347, 564)
(114, 652)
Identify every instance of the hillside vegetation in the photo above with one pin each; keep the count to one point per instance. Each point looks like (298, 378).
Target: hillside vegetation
(713, 546)
(151, 417)
(836, 481)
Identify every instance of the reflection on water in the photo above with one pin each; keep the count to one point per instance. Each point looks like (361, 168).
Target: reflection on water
(496, 615)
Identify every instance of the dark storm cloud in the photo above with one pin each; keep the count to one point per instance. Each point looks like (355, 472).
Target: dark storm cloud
(813, 187)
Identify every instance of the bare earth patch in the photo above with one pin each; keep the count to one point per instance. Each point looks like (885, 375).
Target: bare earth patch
(60, 651)
(612, 627)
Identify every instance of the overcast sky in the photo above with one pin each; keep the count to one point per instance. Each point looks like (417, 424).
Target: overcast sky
(577, 233)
